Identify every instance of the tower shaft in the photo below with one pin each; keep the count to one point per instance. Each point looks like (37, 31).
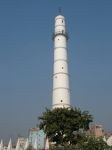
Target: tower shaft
(61, 91)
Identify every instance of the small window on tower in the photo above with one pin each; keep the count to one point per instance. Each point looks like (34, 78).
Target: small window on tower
(58, 39)
(61, 101)
(62, 68)
(62, 21)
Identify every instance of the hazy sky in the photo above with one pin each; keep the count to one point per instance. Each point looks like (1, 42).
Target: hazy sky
(26, 60)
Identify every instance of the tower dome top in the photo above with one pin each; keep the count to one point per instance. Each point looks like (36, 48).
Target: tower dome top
(59, 17)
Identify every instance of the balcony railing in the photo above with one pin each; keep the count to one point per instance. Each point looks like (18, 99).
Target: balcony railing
(60, 33)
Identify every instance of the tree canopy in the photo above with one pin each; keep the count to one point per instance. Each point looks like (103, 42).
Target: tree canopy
(65, 126)
(93, 143)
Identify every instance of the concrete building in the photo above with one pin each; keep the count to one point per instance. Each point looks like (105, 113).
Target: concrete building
(97, 130)
(37, 137)
(61, 90)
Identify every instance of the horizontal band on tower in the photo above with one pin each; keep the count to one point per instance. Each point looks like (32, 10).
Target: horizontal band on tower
(65, 34)
(61, 88)
(63, 104)
(61, 73)
(59, 25)
(60, 60)
(60, 47)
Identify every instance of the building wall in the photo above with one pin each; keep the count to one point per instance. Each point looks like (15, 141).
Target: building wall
(38, 136)
(97, 130)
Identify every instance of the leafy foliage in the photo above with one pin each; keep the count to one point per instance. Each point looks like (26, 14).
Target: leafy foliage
(91, 143)
(65, 126)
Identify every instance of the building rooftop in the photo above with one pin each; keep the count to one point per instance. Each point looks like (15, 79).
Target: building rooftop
(34, 129)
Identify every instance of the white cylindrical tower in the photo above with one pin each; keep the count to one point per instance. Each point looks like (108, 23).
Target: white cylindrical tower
(61, 90)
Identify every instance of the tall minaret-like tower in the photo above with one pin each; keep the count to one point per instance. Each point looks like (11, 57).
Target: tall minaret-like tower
(61, 91)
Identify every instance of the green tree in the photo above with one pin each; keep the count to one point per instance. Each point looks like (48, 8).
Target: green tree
(93, 143)
(65, 126)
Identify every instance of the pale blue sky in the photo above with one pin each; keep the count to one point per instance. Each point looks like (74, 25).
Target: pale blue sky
(26, 60)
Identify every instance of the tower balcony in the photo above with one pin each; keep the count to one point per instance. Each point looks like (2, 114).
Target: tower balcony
(60, 33)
